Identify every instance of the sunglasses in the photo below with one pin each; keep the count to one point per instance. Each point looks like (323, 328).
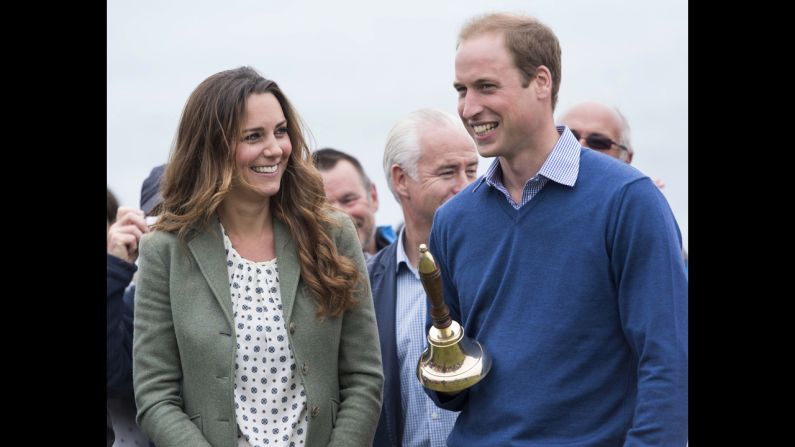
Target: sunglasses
(598, 141)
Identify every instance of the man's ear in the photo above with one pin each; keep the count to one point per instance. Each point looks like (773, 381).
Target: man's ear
(373, 197)
(627, 156)
(399, 179)
(543, 82)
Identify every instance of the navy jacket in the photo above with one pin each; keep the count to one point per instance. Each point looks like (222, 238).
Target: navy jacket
(120, 327)
(382, 268)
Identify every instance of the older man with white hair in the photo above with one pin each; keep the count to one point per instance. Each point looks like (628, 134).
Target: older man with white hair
(429, 157)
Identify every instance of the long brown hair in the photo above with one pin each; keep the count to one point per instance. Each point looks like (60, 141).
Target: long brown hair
(201, 171)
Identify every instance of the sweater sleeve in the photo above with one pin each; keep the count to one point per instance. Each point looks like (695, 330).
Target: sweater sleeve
(119, 328)
(649, 271)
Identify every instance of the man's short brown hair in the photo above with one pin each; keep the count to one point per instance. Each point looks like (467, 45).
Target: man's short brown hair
(530, 42)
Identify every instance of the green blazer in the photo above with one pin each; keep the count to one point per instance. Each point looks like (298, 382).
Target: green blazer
(184, 344)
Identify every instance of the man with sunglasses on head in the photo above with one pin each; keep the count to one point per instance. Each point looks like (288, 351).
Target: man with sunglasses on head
(563, 263)
(602, 128)
(606, 130)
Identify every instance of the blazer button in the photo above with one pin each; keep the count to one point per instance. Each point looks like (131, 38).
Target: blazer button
(292, 327)
(304, 368)
(315, 411)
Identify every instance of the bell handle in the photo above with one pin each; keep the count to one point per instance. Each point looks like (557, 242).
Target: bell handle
(431, 279)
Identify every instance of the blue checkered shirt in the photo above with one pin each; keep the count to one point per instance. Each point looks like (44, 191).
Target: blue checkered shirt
(562, 166)
(426, 425)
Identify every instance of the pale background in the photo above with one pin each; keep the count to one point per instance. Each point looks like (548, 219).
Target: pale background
(352, 68)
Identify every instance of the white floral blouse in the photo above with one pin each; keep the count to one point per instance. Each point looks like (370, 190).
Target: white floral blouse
(270, 402)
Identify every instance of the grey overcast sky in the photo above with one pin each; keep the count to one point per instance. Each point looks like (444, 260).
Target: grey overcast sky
(352, 68)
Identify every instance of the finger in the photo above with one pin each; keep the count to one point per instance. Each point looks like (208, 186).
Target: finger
(122, 219)
(140, 222)
(134, 230)
(119, 230)
(120, 245)
(120, 238)
(134, 218)
(124, 211)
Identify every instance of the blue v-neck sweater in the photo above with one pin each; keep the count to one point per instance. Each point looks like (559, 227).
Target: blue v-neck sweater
(581, 298)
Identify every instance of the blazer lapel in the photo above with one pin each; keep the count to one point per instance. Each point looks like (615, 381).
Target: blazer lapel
(384, 290)
(207, 248)
(289, 265)
(384, 285)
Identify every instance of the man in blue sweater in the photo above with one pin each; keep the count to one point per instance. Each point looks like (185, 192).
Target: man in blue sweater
(564, 263)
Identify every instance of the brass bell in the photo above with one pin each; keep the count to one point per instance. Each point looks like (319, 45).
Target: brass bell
(452, 362)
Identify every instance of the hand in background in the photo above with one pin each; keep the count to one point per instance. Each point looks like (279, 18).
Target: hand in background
(126, 231)
(660, 184)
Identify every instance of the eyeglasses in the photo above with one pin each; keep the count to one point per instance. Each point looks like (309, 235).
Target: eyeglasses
(598, 141)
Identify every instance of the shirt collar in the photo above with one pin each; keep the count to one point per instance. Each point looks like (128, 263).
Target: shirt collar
(401, 254)
(561, 166)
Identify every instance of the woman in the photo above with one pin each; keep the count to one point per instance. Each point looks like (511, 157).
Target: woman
(254, 322)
